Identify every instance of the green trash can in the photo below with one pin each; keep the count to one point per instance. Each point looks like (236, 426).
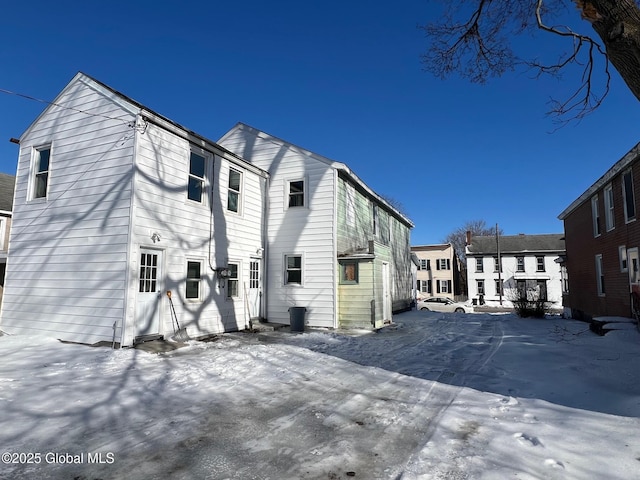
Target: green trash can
(296, 318)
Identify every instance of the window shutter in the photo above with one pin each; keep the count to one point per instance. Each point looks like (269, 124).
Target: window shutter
(448, 264)
(428, 264)
(438, 264)
(428, 286)
(438, 285)
(449, 286)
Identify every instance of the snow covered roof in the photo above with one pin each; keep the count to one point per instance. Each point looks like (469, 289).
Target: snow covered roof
(552, 242)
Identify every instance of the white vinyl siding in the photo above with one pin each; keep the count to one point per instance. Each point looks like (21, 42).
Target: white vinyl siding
(185, 227)
(306, 230)
(67, 277)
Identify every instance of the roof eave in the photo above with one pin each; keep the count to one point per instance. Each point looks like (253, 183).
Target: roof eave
(620, 165)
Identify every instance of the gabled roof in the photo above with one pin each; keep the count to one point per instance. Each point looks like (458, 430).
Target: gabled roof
(7, 186)
(340, 167)
(546, 243)
(432, 247)
(620, 165)
(135, 107)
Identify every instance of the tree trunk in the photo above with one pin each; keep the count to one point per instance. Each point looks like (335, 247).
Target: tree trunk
(618, 25)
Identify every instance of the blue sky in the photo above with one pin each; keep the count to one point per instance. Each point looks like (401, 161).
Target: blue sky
(342, 79)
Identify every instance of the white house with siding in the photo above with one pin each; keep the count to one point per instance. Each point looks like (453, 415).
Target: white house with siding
(514, 264)
(114, 206)
(334, 246)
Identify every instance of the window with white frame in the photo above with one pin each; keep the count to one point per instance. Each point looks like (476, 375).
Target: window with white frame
(194, 277)
(499, 290)
(497, 264)
(423, 264)
(232, 281)
(195, 188)
(609, 219)
(233, 190)
(444, 286)
(254, 274)
(296, 193)
(628, 196)
(41, 172)
(424, 286)
(480, 287)
(564, 277)
(443, 264)
(293, 270)
(622, 254)
(600, 275)
(520, 264)
(595, 214)
(479, 265)
(540, 263)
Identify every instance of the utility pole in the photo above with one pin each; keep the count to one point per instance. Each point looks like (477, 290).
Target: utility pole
(499, 264)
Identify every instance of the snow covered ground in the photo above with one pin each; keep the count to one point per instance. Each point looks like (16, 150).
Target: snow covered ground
(437, 396)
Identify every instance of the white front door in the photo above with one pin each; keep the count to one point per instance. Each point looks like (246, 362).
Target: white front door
(254, 296)
(149, 295)
(386, 292)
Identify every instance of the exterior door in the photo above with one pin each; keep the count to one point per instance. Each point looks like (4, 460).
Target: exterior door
(149, 295)
(386, 292)
(254, 295)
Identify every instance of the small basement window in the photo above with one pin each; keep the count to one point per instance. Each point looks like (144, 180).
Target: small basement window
(348, 272)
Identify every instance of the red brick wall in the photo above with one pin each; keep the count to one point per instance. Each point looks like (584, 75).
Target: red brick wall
(582, 249)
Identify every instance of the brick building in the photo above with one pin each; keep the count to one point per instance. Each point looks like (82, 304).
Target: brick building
(602, 239)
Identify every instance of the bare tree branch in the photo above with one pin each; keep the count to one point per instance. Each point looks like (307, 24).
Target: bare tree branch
(583, 101)
(474, 40)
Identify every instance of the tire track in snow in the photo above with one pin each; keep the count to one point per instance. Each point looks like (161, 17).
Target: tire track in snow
(444, 387)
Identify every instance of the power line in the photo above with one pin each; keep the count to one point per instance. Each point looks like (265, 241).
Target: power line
(29, 97)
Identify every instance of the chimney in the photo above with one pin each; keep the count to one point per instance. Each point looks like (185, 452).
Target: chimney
(468, 237)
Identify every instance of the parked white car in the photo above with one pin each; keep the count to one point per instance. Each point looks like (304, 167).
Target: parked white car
(443, 304)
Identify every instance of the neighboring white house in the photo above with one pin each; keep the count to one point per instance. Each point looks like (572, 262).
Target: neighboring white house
(347, 248)
(530, 263)
(114, 206)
